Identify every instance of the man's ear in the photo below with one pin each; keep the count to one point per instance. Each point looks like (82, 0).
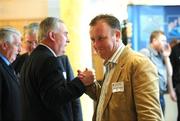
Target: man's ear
(117, 34)
(51, 35)
(154, 40)
(4, 45)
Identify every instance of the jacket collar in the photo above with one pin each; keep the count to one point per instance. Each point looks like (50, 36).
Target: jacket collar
(9, 71)
(118, 70)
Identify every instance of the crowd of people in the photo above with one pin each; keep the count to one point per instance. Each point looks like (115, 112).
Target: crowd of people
(40, 84)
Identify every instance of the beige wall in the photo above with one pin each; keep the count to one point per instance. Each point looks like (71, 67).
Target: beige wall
(23, 9)
(19, 13)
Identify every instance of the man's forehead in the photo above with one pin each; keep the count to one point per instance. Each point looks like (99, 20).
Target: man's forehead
(62, 27)
(100, 29)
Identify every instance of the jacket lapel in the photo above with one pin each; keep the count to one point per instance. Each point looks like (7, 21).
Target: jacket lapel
(118, 69)
(10, 71)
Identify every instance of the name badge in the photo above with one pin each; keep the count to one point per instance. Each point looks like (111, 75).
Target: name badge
(118, 87)
(64, 74)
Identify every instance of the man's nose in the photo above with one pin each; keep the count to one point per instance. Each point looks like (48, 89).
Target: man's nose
(67, 41)
(95, 43)
(19, 49)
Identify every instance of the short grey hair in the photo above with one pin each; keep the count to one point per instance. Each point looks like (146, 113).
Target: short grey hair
(31, 28)
(7, 34)
(48, 24)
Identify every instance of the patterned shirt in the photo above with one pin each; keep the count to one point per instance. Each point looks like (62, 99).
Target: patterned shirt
(110, 66)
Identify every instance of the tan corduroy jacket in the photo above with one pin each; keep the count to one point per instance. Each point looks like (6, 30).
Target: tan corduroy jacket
(140, 99)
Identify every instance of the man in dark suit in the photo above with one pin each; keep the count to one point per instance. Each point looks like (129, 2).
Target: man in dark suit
(10, 42)
(46, 93)
(30, 43)
(76, 104)
(175, 61)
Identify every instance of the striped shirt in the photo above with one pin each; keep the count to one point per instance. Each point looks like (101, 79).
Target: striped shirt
(110, 66)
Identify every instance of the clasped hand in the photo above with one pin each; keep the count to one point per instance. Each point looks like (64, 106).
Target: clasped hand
(87, 76)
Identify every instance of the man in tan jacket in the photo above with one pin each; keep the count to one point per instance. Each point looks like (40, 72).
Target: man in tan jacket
(129, 91)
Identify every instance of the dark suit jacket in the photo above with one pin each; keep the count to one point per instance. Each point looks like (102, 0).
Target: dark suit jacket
(175, 60)
(76, 104)
(9, 94)
(18, 63)
(46, 93)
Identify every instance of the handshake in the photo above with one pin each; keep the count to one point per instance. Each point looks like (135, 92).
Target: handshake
(87, 76)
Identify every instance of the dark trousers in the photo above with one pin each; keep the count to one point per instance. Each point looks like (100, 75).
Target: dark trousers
(162, 101)
(178, 103)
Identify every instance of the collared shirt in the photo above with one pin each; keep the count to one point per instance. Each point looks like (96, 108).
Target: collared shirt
(49, 49)
(5, 59)
(158, 61)
(109, 72)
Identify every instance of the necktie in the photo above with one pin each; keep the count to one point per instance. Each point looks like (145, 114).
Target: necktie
(108, 67)
(12, 69)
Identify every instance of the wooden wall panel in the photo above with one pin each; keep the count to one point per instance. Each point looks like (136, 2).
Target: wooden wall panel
(18, 23)
(23, 9)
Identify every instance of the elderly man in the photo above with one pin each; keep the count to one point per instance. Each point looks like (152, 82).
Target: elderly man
(47, 95)
(10, 43)
(30, 37)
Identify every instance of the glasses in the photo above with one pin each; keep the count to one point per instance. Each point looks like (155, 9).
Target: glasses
(32, 42)
(16, 44)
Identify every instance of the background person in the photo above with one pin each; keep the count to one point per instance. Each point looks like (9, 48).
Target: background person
(76, 104)
(175, 60)
(31, 41)
(158, 52)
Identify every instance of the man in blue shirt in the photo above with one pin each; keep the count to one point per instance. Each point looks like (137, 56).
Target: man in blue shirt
(158, 52)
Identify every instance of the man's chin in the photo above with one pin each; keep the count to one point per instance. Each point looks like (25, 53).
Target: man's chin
(12, 60)
(62, 53)
(101, 55)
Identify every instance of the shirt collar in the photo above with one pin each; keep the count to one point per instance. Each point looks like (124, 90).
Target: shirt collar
(49, 49)
(4, 59)
(115, 56)
(153, 51)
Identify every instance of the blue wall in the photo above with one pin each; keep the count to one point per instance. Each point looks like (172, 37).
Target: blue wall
(146, 19)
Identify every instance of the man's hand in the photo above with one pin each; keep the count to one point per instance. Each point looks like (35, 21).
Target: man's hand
(172, 94)
(166, 51)
(87, 76)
